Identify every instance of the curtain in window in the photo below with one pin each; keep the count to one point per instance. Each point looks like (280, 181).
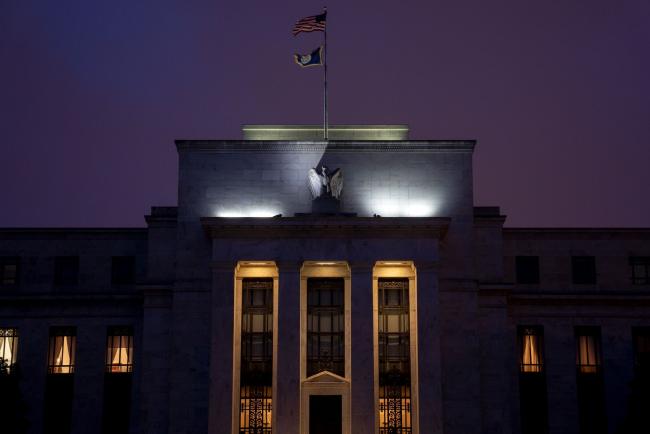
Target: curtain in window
(119, 353)
(531, 359)
(588, 357)
(8, 344)
(62, 355)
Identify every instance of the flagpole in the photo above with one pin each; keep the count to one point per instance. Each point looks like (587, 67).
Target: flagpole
(325, 132)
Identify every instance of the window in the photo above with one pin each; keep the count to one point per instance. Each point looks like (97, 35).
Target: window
(8, 348)
(325, 326)
(531, 349)
(394, 356)
(583, 270)
(61, 355)
(527, 269)
(123, 270)
(256, 373)
(116, 413)
(119, 350)
(9, 270)
(588, 350)
(59, 386)
(533, 404)
(66, 270)
(641, 336)
(640, 270)
(590, 386)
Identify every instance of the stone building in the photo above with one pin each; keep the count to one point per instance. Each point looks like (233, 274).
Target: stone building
(256, 305)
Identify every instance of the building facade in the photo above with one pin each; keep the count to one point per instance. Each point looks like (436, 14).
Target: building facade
(395, 307)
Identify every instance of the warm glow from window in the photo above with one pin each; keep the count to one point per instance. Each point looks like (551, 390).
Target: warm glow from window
(588, 355)
(119, 353)
(531, 357)
(62, 354)
(400, 411)
(8, 347)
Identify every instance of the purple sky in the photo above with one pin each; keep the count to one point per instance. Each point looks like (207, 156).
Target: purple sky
(92, 95)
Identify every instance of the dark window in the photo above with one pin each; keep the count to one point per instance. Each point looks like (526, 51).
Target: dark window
(325, 326)
(591, 392)
(641, 336)
(527, 269)
(394, 357)
(8, 348)
(66, 270)
(256, 373)
(9, 270)
(117, 381)
(640, 270)
(123, 270)
(533, 404)
(57, 417)
(583, 270)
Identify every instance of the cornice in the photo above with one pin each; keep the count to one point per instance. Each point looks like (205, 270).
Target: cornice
(326, 227)
(345, 146)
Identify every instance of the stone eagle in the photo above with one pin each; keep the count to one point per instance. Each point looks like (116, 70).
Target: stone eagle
(324, 184)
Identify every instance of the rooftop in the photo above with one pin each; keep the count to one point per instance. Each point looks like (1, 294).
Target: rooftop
(335, 132)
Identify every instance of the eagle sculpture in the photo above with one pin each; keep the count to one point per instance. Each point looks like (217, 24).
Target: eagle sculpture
(324, 183)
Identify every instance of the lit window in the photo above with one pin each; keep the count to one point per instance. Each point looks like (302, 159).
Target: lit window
(119, 350)
(256, 373)
(61, 358)
(588, 350)
(640, 270)
(325, 326)
(9, 267)
(394, 356)
(8, 347)
(531, 356)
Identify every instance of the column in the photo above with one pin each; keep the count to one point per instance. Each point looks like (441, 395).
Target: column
(288, 377)
(220, 407)
(429, 359)
(363, 398)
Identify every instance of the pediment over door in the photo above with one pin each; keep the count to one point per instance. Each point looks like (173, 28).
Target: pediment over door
(326, 377)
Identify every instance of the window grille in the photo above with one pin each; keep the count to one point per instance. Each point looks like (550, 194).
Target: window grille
(9, 267)
(531, 358)
(394, 357)
(588, 350)
(119, 350)
(8, 347)
(61, 355)
(325, 326)
(256, 373)
(640, 270)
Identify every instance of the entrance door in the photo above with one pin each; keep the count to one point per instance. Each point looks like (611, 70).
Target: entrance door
(325, 414)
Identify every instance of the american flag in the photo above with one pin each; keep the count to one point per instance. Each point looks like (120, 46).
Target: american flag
(314, 23)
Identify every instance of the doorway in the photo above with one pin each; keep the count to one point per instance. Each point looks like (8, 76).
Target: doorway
(325, 414)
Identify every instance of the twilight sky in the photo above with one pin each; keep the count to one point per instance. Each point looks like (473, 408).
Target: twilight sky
(93, 93)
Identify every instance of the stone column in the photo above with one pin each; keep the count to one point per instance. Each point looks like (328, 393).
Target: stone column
(156, 346)
(429, 359)
(560, 358)
(89, 378)
(220, 408)
(363, 398)
(288, 376)
(33, 341)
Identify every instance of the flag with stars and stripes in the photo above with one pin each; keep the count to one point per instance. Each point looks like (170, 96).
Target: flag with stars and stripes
(314, 23)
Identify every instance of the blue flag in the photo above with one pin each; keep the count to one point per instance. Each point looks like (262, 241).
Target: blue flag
(313, 59)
